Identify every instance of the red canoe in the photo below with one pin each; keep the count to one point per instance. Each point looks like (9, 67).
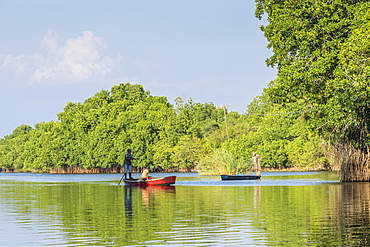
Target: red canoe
(149, 182)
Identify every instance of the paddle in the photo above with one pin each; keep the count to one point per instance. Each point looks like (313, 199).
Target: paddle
(121, 179)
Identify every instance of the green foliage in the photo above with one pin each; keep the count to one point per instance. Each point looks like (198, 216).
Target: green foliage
(12, 146)
(96, 134)
(280, 135)
(321, 52)
(224, 162)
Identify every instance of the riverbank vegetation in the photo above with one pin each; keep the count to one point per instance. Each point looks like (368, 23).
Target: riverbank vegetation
(314, 115)
(93, 136)
(321, 50)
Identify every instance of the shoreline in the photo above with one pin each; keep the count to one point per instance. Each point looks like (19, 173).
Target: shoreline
(80, 170)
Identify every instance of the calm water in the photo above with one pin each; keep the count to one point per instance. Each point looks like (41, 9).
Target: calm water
(281, 209)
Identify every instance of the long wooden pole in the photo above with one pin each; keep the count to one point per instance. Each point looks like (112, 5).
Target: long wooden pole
(121, 179)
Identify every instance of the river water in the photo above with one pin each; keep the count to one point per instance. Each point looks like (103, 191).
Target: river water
(281, 209)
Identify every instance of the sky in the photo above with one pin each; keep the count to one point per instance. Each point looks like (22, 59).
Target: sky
(54, 52)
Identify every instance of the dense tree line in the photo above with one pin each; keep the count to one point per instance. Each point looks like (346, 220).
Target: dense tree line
(318, 102)
(183, 136)
(321, 50)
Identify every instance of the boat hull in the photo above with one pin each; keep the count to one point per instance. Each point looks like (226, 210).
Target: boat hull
(239, 177)
(151, 182)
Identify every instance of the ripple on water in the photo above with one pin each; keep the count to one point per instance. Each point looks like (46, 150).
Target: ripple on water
(261, 182)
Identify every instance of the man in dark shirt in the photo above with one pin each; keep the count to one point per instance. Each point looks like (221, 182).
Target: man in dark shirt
(127, 163)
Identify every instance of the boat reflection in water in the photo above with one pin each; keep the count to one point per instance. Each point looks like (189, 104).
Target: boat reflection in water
(148, 193)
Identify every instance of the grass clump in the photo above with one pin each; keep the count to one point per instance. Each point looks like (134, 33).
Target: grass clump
(222, 162)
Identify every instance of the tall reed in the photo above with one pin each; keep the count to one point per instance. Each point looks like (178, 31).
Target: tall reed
(223, 162)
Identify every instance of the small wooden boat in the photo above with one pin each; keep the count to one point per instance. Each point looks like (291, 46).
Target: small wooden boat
(151, 181)
(239, 177)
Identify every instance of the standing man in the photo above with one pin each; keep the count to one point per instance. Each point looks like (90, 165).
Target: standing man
(257, 163)
(127, 163)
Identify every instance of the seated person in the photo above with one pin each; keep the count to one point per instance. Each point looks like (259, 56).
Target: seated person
(145, 174)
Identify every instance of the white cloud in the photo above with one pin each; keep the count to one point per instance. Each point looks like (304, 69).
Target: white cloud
(79, 59)
(50, 41)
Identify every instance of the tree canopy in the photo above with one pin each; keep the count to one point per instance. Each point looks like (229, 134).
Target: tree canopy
(96, 133)
(321, 51)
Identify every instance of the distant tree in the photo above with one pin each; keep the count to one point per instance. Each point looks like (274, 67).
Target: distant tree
(12, 147)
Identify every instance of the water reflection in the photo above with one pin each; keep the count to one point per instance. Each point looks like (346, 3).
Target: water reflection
(104, 214)
(128, 205)
(353, 215)
(149, 195)
(150, 192)
(257, 195)
(331, 215)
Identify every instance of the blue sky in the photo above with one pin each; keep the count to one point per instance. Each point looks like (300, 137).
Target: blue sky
(54, 52)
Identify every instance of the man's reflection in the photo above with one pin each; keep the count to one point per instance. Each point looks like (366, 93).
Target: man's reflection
(128, 205)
